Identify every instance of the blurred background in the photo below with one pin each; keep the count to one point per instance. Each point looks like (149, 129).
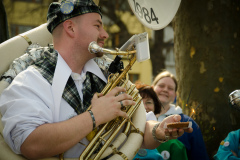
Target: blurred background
(200, 47)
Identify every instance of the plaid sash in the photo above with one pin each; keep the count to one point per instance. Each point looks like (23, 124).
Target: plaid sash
(92, 84)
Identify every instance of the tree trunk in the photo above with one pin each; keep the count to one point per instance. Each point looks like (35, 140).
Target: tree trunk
(206, 46)
(109, 10)
(3, 23)
(157, 57)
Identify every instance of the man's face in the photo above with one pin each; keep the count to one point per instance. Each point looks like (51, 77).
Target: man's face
(90, 28)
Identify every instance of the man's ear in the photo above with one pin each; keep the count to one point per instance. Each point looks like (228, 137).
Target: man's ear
(68, 27)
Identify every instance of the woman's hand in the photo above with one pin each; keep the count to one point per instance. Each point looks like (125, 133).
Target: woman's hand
(171, 133)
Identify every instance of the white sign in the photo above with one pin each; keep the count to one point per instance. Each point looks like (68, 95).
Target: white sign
(154, 14)
(140, 41)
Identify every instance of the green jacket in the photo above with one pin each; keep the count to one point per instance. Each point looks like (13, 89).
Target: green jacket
(172, 150)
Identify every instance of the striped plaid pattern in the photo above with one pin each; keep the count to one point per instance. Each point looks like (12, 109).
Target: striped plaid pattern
(55, 16)
(92, 84)
(71, 95)
(46, 67)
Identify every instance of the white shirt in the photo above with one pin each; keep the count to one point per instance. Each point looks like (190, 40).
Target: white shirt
(30, 101)
(150, 116)
(172, 110)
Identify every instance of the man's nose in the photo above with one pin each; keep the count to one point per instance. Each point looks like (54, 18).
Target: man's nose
(104, 34)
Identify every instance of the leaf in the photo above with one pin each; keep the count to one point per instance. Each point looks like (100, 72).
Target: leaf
(221, 79)
(202, 68)
(216, 89)
(192, 52)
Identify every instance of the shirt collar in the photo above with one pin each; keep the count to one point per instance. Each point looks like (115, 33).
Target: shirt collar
(174, 110)
(90, 66)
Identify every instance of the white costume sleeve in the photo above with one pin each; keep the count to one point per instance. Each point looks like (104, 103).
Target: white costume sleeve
(29, 102)
(25, 106)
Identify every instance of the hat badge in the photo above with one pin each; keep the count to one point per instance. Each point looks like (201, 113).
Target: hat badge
(66, 7)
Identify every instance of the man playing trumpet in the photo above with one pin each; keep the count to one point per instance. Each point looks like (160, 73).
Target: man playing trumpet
(32, 126)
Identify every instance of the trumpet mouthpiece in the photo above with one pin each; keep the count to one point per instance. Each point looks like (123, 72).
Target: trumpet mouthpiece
(94, 48)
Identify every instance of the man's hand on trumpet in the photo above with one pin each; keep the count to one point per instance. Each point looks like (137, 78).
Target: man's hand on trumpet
(108, 107)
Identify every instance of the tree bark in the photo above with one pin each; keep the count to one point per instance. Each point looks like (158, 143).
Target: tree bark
(206, 46)
(157, 57)
(109, 9)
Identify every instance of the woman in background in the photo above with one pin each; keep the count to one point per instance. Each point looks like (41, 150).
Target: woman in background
(170, 150)
(150, 100)
(165, 85)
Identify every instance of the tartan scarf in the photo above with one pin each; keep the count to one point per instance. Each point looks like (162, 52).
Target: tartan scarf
(92, 84)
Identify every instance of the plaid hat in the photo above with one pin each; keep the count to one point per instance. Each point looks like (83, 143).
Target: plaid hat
(60, 12)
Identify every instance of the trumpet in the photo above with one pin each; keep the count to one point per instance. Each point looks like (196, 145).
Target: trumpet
(120, 147)
(108, 132)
